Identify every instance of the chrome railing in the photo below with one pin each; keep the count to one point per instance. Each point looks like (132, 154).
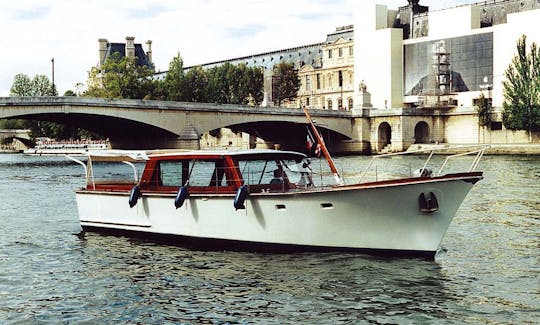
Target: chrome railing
(479, 153)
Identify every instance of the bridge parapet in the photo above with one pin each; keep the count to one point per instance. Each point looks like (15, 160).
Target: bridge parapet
(161, 105)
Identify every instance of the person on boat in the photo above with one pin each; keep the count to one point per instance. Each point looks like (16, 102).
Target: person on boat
(278, 177)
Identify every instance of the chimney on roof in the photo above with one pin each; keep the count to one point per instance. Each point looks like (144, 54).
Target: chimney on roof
(149, 52)
(102, 50)
(130, 47)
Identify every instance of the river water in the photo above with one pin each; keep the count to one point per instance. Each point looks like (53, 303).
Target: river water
(486, 272)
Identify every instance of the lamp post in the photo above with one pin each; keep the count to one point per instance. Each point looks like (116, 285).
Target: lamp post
(53, 90)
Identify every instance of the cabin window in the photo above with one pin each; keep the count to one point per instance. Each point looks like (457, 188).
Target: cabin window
(171, 173)
(258, 171)
(198, 172)
(278, 173)
(116, 172)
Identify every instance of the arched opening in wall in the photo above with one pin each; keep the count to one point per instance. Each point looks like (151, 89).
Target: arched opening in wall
(421, 132)
(350, 103)
(385, 135)
(329, 104)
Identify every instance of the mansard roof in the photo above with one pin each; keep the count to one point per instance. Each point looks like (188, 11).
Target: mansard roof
(141, 57)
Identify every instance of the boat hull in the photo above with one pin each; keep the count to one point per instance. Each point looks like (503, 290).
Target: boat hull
(380, 217)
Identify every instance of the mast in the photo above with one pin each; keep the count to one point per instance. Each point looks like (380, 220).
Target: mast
(326, 154)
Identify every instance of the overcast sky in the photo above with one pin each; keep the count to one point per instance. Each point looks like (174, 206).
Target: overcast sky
(32, 32)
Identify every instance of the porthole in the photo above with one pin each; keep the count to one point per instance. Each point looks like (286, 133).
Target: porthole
(327, 205)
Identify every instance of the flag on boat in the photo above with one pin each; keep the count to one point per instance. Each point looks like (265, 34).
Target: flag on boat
(313, 147)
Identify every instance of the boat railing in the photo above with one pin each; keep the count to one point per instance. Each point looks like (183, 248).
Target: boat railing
(479, 150)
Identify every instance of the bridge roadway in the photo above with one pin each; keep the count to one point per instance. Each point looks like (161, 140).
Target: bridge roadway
(163, 124)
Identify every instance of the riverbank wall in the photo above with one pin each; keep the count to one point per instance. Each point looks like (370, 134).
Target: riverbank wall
(494, 149)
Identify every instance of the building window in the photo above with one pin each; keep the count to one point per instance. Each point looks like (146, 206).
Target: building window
(340, 104)
(350, 100)
(340, 79)
(340, 52)
(351, 51)
(329, 104)
(307, 101)
(308, 82)
(330, 53)
(318, 81)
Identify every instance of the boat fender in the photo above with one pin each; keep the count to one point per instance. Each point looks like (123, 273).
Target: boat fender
(240, 197)
(428, 205)
(134, 195)
(423, 172)
(181, 196)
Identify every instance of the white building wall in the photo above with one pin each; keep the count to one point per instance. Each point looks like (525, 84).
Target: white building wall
(378, 57)
(453, 22)
(505, 37)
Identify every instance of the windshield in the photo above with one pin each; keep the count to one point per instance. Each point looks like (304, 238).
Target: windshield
(256, 172)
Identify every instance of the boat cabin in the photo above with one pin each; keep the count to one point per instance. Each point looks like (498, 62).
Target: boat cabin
(205, 171)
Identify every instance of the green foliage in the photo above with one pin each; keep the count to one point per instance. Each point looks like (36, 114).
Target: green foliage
(23, 86)
(120, 77)
(174, 82)
(521, 89)
(285, 83)
(224, 84)
(483, 107)
(255, 84)
(13, 124)
(196, 85)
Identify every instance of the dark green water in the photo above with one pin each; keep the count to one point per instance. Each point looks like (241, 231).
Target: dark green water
(487, 271)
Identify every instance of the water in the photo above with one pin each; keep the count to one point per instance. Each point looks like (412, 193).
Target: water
(487, 272)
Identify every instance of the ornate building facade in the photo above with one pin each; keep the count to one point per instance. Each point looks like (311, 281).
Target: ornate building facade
(330, 85)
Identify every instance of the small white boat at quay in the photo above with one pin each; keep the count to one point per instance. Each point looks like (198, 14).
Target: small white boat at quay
(269, 200)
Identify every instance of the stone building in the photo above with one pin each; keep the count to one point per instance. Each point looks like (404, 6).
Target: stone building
(330, 84)
(129, 49)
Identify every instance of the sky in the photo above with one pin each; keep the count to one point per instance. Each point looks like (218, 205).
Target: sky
(33, 32)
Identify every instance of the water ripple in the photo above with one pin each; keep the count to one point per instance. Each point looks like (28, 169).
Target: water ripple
(487, 271)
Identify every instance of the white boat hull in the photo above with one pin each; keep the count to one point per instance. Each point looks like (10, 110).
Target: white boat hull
(379, 217)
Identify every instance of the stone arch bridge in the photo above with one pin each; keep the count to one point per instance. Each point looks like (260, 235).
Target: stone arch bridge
(162, 124)
(146, 124)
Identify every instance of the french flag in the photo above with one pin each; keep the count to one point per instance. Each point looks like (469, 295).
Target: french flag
(313, 147)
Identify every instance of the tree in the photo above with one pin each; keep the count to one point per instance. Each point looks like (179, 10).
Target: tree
(196, 85)
(22, 86)
(41, 86)
(174, 82)
(255, 84)
(120, 77)
(285, 82)
(521, 89)
(483, 108)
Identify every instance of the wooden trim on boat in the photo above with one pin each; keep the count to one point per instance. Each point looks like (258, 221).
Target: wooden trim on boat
(467, 177)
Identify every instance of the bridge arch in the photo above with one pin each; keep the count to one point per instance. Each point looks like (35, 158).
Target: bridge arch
(384, 136)
(421, 132)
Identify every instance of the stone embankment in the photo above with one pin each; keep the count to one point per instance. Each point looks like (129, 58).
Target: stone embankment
(494, 149)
